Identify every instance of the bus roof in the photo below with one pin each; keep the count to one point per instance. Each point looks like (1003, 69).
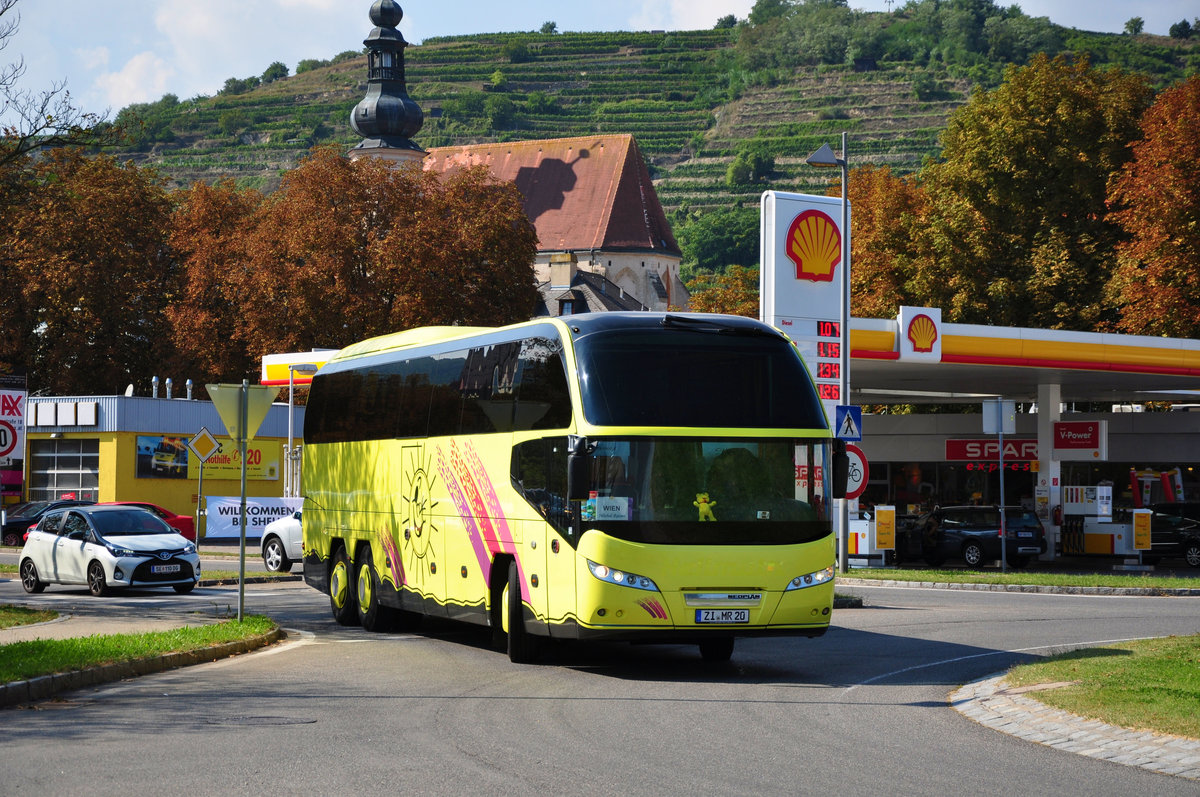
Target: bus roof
(579, 325)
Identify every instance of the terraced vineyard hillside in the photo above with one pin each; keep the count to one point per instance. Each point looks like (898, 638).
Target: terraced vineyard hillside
(678, 93)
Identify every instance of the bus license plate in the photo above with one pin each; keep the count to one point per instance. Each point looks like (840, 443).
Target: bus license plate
(722, 615)
(164, 568)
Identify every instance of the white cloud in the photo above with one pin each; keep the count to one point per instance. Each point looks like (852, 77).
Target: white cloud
(92, 57)
(703, 14)
(144, 78)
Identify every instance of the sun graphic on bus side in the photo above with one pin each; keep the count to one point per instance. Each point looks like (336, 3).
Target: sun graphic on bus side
(419, 528)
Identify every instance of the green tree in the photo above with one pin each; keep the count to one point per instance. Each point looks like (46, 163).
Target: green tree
(516, 52)
(1018, 233)
(714, 239)
(500, 111)
(1156, 200)
(549, 28)
(727, 22)
(1181, 30)
(1134, 26)
(276, 71)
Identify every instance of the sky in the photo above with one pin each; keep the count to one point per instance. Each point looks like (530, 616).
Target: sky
(111, 53)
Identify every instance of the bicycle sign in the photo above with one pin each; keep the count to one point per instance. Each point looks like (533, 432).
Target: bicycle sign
(859, 472)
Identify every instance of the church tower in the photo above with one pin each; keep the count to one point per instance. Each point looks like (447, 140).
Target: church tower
(387, 118)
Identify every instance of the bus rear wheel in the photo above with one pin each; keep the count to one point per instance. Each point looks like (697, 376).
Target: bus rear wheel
(522, 647)
(372, 615)
(341, 590)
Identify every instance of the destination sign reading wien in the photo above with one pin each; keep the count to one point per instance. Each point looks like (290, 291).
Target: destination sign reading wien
(800, 281)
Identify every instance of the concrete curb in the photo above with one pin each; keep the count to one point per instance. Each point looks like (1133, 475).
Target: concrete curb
(991, 703)
(47, 686)
(1154, 592)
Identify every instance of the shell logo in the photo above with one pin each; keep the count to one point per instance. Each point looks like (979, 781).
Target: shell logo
(814, 244)
(922, 333)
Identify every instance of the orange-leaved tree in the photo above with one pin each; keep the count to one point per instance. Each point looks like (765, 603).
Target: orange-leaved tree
(735, 292)
(1156, 200)
(88, 247)
(209, 234)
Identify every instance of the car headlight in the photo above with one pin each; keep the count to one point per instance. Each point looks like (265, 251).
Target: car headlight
(811, 579)
(117, 550)
(189, 547)
(621, 577)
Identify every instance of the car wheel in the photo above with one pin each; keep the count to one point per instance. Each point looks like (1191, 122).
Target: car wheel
(184, 589)
(341, 590)
(972, 554)
(274, 556)
(372, 615)
(719, 649)
(522, 648)
(10, 538)
(1191, 552)
(97, 582)
(29, 578)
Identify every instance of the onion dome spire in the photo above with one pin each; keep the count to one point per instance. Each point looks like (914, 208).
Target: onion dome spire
(387, 118)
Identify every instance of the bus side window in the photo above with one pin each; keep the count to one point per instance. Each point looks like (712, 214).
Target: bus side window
(543, 400)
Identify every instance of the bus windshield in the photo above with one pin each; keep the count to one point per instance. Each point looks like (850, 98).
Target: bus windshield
(686, 490)
(704, 376)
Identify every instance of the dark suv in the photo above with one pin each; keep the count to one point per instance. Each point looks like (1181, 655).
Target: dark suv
(1175, 532)
(18, 519)
(972, 533)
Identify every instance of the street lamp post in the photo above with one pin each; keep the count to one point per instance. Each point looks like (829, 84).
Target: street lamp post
(825, 158)
(289, 456)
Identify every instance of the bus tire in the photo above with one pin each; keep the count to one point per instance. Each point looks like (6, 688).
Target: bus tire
(372, 615)
(522, 647)
(341, 589)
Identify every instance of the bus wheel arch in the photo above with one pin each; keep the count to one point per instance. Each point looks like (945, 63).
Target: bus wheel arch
(523, 647)
(497, 581)
(341, 587)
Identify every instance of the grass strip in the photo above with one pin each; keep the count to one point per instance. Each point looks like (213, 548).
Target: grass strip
(20, 661)
(1033, 578)
(11, 616)
(1151, 684)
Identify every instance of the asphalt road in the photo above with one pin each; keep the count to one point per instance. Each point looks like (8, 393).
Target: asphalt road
(861, 711)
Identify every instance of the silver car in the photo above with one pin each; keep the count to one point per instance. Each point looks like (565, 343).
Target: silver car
(107, 546)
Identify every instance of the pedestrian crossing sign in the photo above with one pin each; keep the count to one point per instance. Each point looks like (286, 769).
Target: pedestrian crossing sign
(848, 422)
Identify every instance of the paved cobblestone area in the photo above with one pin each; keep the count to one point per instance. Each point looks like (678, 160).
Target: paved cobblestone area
(992, 703)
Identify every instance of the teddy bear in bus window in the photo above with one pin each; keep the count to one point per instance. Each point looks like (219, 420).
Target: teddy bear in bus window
(705, 505)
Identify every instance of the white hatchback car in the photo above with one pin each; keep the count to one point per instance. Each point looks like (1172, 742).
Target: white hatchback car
(107, 546)
(282, 543)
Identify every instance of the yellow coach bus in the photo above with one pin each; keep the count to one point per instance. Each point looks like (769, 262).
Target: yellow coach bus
(634, 476)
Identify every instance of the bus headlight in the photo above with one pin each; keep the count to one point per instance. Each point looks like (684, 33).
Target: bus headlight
(621, 577)
(811, 579)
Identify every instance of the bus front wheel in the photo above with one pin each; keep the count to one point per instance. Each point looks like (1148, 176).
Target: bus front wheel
(522, 648)
(341, 590)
